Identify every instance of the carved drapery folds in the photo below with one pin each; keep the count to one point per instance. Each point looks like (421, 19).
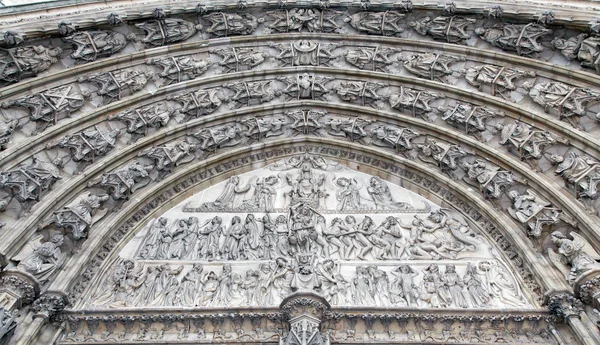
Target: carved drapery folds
(91, 45)
(161, 31)
(177, 69)
(388, 23)
(26, 62)
(450, 29)
(522, 39)
(231, 24)
(112, 85)
(27, 183)
(45, 107)
(78, 216)
(297, 19)
(201, 102)
(431, 66)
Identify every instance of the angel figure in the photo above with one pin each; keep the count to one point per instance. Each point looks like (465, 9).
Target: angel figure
(227, 198)
(348, 195)
(264, 194)
(577, 253)
(501, 284)
(41, 259)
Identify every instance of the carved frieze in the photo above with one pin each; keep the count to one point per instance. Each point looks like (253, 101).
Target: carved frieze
(360, 92)
(580, 172)
(237, 59)
(199, 103)
(120, 183)
(417, 102)
(305, 53)
(27, 183)
(445, 155)
(470, 118)
(6, 130)
(251, 93)
(305, 86)
(370, 58)
(166, 157)
(85, 146)
(491, 180)
(140, 120)
(533, 211)
(526, 142)
(500, 80)
(569, 102)
(431, 66)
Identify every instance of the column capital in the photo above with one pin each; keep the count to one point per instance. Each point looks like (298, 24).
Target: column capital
(565, 305)
(49, 304)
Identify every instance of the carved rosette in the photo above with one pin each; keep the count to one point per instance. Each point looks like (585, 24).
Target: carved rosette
(565, 306)
(17, 289)
(49, 304)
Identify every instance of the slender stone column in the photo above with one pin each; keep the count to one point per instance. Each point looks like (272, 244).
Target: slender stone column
(568, 308)
(43, 309)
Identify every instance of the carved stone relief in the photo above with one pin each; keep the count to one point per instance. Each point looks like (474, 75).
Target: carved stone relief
(522, 39)
(26, 62)
(417, 102)
(45, 107)
(112, 85)
(575, 257)
(568, 102)
(533, 212)
(180, 68)
(303, 218)
(78, 216)
(388, 23)
(238, 59)
(162, 31)
(231, 24)
(297, 19)
(450, 29)
(28, 182)
(85, 146)
(431, 66)
(91, 45)
(500, 80)
(305, 53)
(139, 121)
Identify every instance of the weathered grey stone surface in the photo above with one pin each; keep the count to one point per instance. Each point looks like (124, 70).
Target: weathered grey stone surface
(299, 172)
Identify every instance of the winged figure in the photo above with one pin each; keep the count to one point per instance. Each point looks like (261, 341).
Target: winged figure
(575, 257)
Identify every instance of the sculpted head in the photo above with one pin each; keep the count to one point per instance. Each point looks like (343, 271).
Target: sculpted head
(556, 159)
(513, 194)
(557, 236)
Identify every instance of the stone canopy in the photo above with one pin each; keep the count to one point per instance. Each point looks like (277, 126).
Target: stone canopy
(300, 172)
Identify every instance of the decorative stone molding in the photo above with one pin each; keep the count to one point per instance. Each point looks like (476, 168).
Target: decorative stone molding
(17, 289)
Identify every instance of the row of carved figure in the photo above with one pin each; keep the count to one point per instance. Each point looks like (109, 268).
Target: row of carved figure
(523, 39)
(435, 237)
(27, 182)
(47, 107)
(483, 284)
